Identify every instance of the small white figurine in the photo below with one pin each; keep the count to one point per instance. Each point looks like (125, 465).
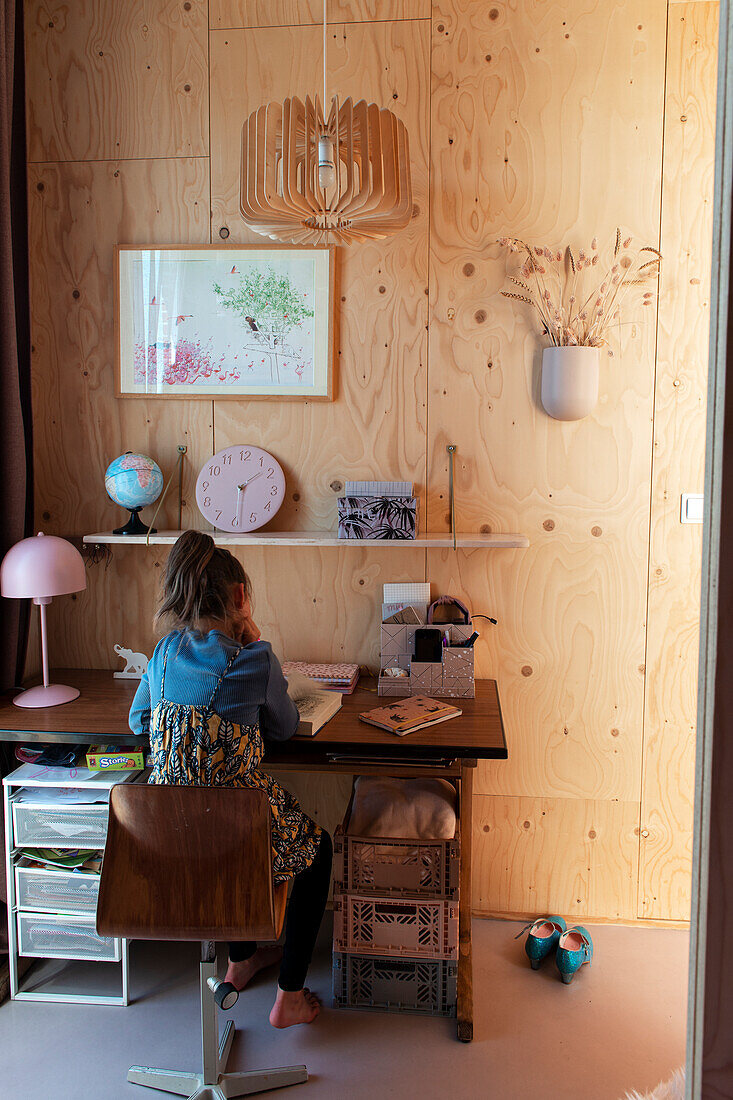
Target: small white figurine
(135, 664)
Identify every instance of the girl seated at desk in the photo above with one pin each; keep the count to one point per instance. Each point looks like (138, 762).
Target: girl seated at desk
(212, 691)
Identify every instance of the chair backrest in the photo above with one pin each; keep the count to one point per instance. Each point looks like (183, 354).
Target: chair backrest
(187, 863)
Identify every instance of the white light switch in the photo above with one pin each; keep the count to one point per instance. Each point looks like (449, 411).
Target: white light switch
(691, 508)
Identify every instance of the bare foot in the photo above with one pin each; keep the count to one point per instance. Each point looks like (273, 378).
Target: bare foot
(240, 974)
(294, 1008)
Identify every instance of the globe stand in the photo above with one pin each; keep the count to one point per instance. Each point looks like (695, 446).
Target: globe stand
(134, 525)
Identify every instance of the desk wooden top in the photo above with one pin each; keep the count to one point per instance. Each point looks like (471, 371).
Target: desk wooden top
(100, 714)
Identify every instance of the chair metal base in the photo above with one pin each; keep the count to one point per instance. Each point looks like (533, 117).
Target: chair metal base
(214, 1083)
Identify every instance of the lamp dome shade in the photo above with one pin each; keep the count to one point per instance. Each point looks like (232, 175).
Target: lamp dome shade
(40, 567)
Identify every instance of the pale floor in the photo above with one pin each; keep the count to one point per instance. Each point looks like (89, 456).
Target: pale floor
(619, 1025)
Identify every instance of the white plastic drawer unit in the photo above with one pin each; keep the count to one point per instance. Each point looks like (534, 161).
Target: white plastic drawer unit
(64, 936)
(62, 826)
(53, 890)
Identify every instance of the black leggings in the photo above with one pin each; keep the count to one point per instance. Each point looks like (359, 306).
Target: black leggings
(303, 919)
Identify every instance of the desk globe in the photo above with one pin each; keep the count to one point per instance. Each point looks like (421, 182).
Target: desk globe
(134, 482)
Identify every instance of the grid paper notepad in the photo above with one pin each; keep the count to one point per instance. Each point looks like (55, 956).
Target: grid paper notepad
(416, 592)
(378, 489)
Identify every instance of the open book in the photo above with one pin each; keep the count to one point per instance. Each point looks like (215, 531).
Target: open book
(315, 710)
(316, 705)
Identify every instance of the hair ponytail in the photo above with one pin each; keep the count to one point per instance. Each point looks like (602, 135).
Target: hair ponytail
(198, 581)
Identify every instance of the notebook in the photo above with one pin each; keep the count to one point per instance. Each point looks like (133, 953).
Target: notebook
(414, 713)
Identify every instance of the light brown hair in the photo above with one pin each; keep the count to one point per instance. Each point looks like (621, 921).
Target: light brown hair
(197, 583)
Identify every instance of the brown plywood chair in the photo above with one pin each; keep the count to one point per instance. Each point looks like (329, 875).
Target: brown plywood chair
(194, 863)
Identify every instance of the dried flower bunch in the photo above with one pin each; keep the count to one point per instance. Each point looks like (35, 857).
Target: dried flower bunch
(555, 283)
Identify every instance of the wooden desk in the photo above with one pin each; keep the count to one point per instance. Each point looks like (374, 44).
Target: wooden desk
(448, 750)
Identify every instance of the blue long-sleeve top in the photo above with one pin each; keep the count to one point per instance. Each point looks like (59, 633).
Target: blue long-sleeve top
(253, 692)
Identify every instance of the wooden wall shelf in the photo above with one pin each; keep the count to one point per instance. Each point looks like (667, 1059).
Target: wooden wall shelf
(435, 541)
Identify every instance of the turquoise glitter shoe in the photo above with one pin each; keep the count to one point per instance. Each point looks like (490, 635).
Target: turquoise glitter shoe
(574, 948)
(544, 934)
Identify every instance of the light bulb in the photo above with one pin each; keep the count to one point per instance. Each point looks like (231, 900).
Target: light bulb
(326, 166)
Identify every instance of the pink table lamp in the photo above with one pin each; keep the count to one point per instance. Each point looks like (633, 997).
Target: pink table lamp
(40, 568)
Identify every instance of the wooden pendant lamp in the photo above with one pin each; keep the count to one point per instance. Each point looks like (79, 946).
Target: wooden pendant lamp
(316, 180)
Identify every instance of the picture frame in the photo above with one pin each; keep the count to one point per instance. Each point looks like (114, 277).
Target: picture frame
(225, 322)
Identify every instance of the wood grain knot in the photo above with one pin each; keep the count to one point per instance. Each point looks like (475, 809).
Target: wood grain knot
(642, 668)
(485, 529)
(46, 516)
(592, 834)
(415, 210)
(525, 824)
(223, 232)
(526, 670)
(296, 496)
(40, 186)
(382, 289)
(614, 732)
(549, 525)
(361, 580)
(480, 316)
(487, 828)
(494, 13)
(337, 486)
(596, 532)
(488, 57)
(187, 6)
(187, 87)
(440, 28)
(468, 270)
(565, 731)
(75, 294)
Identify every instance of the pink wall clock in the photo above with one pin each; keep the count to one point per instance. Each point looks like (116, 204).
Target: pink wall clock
(240, 488)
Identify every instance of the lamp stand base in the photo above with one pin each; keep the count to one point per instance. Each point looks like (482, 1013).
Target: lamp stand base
(51, 696)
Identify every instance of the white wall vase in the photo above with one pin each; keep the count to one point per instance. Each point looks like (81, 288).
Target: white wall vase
(570, 381)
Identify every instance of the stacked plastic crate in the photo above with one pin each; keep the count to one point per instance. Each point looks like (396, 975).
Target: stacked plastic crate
(395, 932)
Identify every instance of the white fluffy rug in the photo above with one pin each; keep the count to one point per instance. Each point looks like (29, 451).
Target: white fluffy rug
(674, 1089)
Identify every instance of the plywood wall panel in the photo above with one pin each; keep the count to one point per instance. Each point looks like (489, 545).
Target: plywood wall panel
(678, 464)
(376, 427)
(285, 13)
(542, 119)
(534, 108)
(576, 857)
(109, 80)
(78, 212)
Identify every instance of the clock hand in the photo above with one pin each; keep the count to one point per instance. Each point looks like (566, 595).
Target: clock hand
(239, 503)
(246, 483)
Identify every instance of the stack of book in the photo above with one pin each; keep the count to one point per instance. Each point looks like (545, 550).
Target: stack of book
(332, 677)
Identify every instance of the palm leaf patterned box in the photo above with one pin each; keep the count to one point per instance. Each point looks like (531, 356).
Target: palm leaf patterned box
(377, 510)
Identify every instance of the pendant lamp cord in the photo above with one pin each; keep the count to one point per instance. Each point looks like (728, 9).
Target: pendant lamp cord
(325, 23)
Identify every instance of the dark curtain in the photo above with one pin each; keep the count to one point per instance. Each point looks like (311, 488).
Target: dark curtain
(16, 473)
(16, 516)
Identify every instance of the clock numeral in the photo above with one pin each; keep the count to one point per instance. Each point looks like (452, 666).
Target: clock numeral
(226, 460)
(218, 515)
(235, 522)
(267, 506)
(244, 455)
(253, 517)
(270, 471)
(214, 471)
(207, 502)
(262, 461)
(204, 485)
(273, 491)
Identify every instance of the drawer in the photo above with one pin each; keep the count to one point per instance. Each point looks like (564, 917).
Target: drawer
(63, 826)
(49, 889)
(48, 936)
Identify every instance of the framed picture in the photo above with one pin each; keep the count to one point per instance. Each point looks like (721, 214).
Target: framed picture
(225, 321)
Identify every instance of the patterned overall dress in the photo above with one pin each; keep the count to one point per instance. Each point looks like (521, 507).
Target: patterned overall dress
(195, 747)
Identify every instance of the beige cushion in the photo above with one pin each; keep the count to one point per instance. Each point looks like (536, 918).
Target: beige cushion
(406, 809)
